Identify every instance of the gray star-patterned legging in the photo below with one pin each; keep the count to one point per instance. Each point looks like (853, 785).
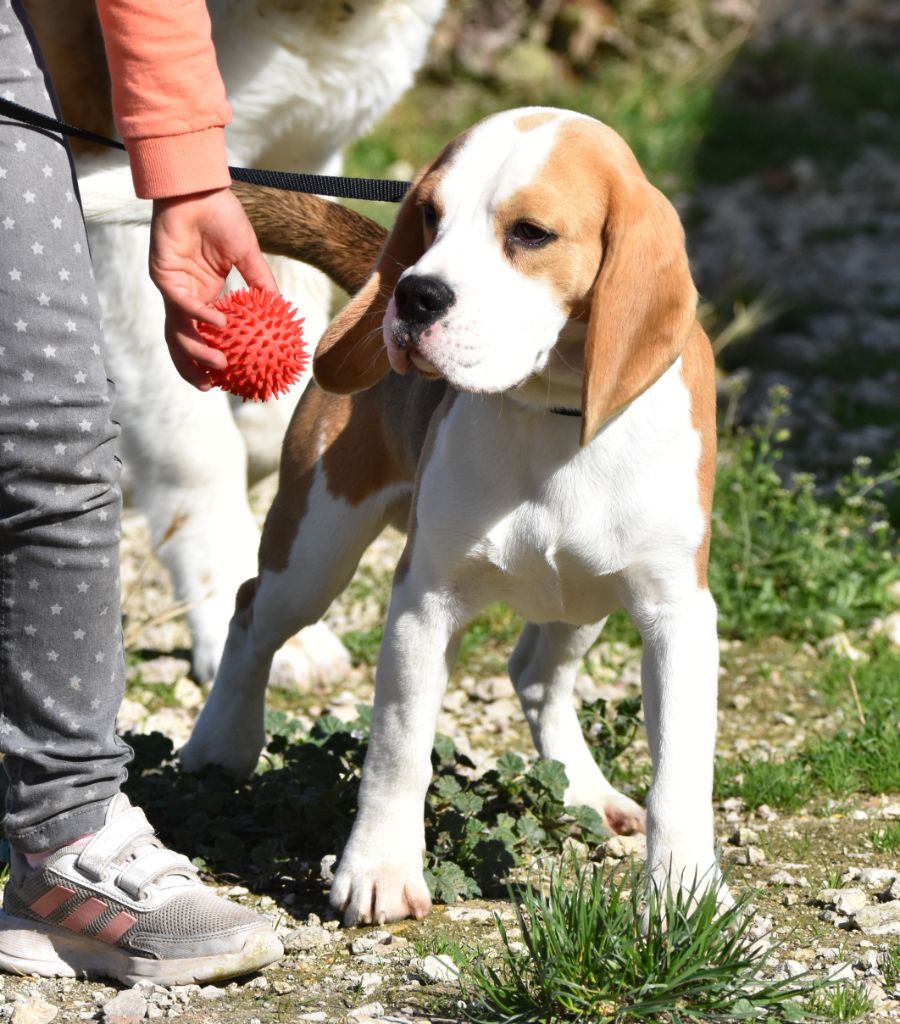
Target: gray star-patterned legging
(61, 671)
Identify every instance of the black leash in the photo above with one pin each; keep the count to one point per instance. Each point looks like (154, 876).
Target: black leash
(380, 190)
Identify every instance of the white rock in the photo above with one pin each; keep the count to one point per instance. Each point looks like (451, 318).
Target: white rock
(619, 847)
(480, 914)
(211, 993)
(881, 919)
(848, 901)
(841, 972)
(34, 1011)
(306, 938)
(872, 877)
(793, 968)
(440, 968)
(752, 855)
(128, 1007)
(364, 1014)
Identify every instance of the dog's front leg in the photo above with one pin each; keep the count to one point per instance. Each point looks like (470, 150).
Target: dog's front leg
(380, 873)
(679, 675)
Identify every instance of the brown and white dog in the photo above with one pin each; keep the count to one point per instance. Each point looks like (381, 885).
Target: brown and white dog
(554, 450)
(304, 78)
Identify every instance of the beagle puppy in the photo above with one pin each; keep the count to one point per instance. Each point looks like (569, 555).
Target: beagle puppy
(547, 436)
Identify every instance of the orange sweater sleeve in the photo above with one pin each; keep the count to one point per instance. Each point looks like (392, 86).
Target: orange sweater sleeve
(168, 97)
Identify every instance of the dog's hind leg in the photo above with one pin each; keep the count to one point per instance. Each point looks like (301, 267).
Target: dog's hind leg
(314, 536)
(543, 668)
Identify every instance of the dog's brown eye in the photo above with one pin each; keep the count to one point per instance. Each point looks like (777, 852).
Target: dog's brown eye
(526, 233)
(429, 217)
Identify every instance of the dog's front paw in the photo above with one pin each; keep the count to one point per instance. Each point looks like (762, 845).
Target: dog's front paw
(372, 890)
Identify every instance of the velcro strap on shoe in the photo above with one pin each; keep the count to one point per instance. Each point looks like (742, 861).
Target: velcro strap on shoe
(149, 867)
(129, 829)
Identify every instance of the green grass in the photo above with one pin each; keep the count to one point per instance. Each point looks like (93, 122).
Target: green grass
(787, 560)
(862, 757)
(749, 128)
(843, 1002)
(589, 953)
(886, 840)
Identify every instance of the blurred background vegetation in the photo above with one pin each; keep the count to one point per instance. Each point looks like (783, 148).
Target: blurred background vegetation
(772, 125)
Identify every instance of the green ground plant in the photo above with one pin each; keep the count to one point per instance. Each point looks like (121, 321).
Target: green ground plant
(604, 950)
(844, 1002)
(272, 830)
(864, 756)
(886, 840)
(787, 560)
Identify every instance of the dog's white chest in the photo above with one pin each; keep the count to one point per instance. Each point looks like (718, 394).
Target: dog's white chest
(514, 510)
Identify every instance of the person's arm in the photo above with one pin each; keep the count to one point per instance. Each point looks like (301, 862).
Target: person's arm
(170, 108)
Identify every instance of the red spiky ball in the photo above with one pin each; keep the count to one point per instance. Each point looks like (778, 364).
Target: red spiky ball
(262, 340)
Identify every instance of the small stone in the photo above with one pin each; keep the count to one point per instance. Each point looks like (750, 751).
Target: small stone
(881, 919)
(369, 980)
(842, 972)
(211, 993)
(828, 916)
(872, 877)
(366, 943)
(740, 701)
(619, 847)
(790, 899)
(34, 1011)
(473, 914)
(326, 867)
(743, 837)
(752, 855)
(364, 1014)
(848, 901)
(306, 938)
(440, 968)
(793, 968)
(874, 993)
(259, 982)
(128, 1007)
(314, 1015)
(859, 815)
(283, 988)
(787, 879)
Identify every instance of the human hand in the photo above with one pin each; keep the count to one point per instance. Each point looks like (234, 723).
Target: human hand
(195, 240)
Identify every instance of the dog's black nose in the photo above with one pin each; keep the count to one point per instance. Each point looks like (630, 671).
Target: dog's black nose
(421, 299)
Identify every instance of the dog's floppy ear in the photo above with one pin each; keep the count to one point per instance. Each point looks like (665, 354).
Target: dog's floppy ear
(351, 354)
(643, 305)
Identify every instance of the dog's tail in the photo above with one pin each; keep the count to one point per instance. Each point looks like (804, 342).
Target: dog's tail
(338, 241)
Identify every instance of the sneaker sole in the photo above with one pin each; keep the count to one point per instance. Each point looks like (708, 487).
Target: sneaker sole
(33, 948)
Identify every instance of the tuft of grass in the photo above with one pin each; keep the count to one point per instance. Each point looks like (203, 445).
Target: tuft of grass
(592, 950)
(886, 840)
(842, 1002)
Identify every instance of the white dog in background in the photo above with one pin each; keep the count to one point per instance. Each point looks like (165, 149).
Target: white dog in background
(304, 78)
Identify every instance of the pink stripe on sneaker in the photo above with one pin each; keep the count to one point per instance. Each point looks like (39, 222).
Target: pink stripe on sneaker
(79, 919)
(52, 899)
(116, 928)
